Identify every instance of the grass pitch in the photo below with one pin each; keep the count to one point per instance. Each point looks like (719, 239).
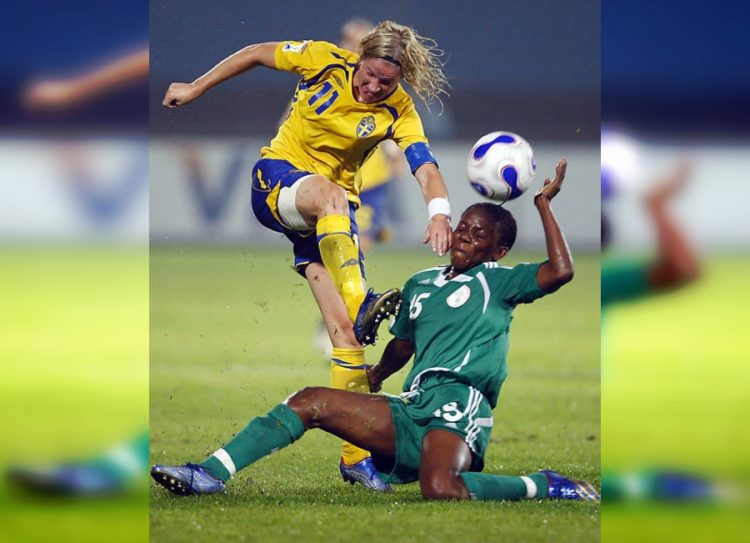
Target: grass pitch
(231, 336)
(675, 374)
(74, 352)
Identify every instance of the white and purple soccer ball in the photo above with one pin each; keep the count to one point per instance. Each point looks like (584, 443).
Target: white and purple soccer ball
(501, 166)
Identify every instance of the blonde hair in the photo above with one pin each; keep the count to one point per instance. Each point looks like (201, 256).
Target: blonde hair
(419, 58)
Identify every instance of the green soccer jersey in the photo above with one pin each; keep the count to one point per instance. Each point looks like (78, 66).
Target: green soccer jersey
(460, 326)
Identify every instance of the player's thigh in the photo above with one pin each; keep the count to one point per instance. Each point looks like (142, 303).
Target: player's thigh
(445, 455)
(362, 419)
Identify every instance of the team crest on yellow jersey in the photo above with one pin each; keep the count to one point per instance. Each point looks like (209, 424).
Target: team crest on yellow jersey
(365, 126)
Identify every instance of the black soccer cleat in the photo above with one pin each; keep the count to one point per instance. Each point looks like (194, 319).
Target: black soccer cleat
(375, 309)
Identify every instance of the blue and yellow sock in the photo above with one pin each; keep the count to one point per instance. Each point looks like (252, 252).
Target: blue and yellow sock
(348, 373)
(340, 256)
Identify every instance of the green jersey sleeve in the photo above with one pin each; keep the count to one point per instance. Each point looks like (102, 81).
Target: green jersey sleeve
(516, 285)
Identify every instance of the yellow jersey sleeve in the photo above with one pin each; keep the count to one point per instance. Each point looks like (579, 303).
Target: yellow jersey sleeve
(307, 58)
(409, 135)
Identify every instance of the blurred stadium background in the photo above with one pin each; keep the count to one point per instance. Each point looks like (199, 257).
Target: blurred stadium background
(73, 264)
(674, 365)
(232, 325)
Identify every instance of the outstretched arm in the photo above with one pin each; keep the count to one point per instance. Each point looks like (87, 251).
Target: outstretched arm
(395, 356)
(676, 263)
(260, 54)
(68, 92)
(558, 269)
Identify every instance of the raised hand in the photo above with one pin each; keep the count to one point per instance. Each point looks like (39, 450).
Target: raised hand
(552, 187)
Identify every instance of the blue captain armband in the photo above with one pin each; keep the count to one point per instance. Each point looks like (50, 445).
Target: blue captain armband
(417, 154)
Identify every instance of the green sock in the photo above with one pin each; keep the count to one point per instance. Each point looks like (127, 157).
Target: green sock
(483, 486)
(262, 436)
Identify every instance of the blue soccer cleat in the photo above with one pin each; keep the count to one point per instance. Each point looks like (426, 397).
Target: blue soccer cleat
(187, 480)
(375, 309)
(562, 488)
(73, 480)
(677, 487)
(364, 473)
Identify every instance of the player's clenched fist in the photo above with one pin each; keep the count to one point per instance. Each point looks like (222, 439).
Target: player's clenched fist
(179, 94)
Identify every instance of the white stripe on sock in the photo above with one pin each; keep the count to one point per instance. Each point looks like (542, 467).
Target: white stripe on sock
(223, 457)
(530, 487)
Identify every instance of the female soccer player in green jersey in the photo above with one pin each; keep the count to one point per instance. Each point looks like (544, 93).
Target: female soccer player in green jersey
(455, 321)
(305, 185)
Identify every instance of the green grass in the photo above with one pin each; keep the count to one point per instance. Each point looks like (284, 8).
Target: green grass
(74, 351)
(675, 374)
(231, 336)
(678, 394)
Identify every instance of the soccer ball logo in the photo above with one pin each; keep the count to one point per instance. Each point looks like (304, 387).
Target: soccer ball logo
(501, 166)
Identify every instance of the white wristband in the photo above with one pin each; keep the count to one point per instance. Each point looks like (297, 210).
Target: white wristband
(439, 206)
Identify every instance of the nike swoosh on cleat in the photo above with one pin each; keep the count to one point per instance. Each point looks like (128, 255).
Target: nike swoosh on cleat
(350, 262)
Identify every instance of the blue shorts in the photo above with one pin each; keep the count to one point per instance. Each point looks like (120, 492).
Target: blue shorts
(268, 178)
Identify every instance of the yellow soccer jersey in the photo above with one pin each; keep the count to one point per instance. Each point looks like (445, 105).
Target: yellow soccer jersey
(327, 131)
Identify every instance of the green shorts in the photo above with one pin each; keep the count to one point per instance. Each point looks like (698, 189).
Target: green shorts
(455, 407)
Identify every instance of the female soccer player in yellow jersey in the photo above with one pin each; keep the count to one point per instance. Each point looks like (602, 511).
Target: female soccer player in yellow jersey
(305, 184)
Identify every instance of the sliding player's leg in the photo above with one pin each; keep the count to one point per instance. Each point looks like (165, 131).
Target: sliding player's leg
(359, 418)
(444, 457)
(444, 475)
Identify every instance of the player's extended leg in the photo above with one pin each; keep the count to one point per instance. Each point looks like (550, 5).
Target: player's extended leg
(444, 474)
(347, 368)
(359, 418)
(362, 419)
(322, 203)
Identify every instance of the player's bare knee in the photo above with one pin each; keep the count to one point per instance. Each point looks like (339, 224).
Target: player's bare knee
(307, 403)
(333, 199)
(442, 487)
